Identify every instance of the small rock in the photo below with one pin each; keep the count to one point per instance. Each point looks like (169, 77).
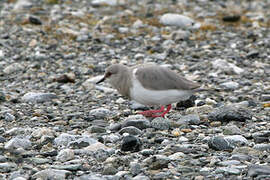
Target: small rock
(190, 102)
(264, 97)
(95, 147)
(35, 20)
(7, 167)
(15, 67)
(2, 97)
(52, 174)
(9, 117)
(227, 67)
(230, 85)
(18, 142)
(109, 170)
(215, 123)
(140, 177)
(253, 54)
(262, 147)
(231, 130)
(97, 129)
(225, 114)
(2, 139)
(157, 162)
(219, 143)
(229, 163)
(38, 97)
(258, 170)
(182, 139)
(39, 132)
(205, 109)
(236, 140)
(231, 18)
(81, 142)
(137, 121)
(131, 143)
(65, 155)
(130, 130)
(138, 24)
(107, 2)
(100, 113)
(160, 123)
(229, 170)
(65, 78)
(135, 168)
(191, 119)
(178, 20)
(64, 139)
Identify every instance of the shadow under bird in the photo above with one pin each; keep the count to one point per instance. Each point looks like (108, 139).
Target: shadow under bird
(150, 85)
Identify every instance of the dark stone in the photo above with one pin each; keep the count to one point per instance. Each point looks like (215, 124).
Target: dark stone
(49, 153)
(131, 143)
(64, 79)
(253, 54)
(225, 114)
(35, 20)
(232, 18)
(2, 139)
(187, 103)
(138, 123)
(219, 143)
(261, 137)
(2, 97)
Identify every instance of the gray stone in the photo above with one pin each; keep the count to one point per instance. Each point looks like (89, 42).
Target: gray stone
(137, 121)
(231, 130)
(258, 170)
(225, 114)
(7, 167)
(241, 157)
(37, 161)
(191, 119)
(65, 155)
(81, 142)
(229, 85)
(38, 97)
(229, 170)
(100, 113)
(156, 162)
(9, 117)
(135, 168)
(130, 130)
(262, 147)
(141, 177)
(52, 174)
(109, 170)
(219, 143)
(160, 123)
(237, 140)
(91, 177)
(69, 167)
(18, 142)
(97, 129)
(229, 163)
(12, 68)
(64, 139)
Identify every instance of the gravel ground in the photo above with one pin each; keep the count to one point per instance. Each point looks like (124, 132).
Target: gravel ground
(57, 124)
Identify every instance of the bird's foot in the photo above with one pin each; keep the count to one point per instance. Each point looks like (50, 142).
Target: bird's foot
(154, 113)
(165, 112)
(151, 113)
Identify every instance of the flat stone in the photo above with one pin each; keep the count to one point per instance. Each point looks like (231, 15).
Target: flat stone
(229, 85)
(38, 97)
(156, 162)
(7, 167)
(100, 113)
(160, 123)
(52, 174)
(137, 121)
(225, 114)
(258, 170)
(18, 142)
(178, 20)
(65, 155)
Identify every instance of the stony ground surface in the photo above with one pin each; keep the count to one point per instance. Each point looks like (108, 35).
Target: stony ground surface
(57, 124)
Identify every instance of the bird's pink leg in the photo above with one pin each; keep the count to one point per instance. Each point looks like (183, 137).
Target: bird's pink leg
(165, 112)
(150, 113)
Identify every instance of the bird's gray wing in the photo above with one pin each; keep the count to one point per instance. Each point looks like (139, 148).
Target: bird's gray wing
(161, 78)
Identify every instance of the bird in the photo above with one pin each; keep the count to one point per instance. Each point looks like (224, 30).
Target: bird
(150, 85)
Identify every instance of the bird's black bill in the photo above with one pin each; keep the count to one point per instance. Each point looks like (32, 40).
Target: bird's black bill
(101, 80)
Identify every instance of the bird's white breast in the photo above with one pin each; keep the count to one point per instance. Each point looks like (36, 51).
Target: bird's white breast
(155, 97)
